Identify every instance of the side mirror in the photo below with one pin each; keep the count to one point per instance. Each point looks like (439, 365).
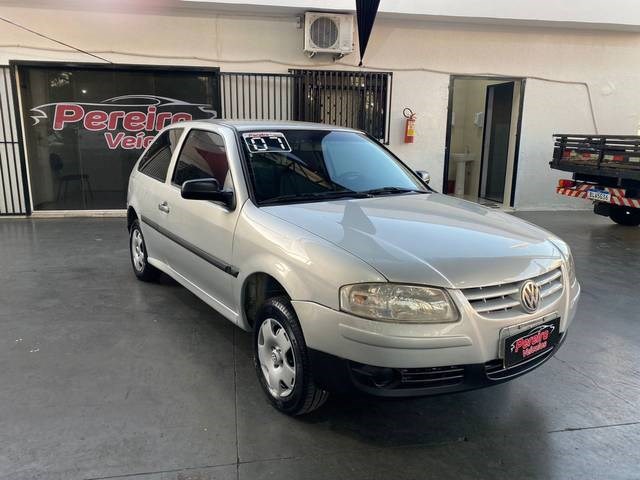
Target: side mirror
(206, 189)
(424, 176)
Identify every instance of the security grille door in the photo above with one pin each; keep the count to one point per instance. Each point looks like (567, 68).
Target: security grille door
(358, 100)
(12, 189)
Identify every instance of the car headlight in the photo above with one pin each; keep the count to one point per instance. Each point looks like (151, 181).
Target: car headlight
(568, 258)
(571, 268)
(391, 302)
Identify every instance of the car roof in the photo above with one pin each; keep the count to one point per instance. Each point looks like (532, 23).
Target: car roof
(247, 125)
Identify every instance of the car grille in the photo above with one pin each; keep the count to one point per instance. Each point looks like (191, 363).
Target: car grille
(503, 300)
(431, 377)
(407, 378)
(493, 367)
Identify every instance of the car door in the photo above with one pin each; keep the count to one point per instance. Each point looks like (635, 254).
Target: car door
(203, 230)
(152, 192)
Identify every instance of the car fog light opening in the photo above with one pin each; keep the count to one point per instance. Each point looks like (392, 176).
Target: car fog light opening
(398, 303)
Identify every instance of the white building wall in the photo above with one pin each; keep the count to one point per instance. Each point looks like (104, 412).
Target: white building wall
(548, 109)
(615, 14)
(421, 54)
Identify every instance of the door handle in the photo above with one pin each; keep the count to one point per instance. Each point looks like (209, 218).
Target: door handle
(164, 207)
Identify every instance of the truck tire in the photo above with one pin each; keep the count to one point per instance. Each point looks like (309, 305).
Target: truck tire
(629, 217)
(281, 360)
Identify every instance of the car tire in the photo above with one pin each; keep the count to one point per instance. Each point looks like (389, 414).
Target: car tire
(138, 254)
(282, 361)
(629, 217)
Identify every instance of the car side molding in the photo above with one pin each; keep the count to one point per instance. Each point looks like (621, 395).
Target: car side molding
(216, 262)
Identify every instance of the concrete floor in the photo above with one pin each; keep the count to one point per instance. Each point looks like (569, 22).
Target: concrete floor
(103, 376)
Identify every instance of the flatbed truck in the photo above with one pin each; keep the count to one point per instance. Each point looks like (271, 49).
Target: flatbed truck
(605, 170)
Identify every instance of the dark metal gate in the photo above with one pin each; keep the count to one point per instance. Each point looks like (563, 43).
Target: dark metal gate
(352, 99)
(257, 96)
(12, 168)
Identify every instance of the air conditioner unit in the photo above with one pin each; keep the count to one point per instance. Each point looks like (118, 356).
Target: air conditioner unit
(328, 33)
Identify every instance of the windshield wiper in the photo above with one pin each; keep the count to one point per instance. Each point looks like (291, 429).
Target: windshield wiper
(392, 191)
(327, 195)
(335, 194)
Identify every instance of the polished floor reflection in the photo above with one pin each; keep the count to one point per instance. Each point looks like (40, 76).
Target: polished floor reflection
(106, 377)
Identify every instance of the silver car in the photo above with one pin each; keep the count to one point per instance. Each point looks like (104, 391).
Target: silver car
(351, 272)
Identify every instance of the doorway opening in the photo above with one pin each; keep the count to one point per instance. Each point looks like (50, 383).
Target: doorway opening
(483, 132)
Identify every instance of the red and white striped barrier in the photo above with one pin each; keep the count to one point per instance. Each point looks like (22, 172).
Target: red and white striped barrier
(583, 187)
(618, 197)
(572, 192)
(626, 202)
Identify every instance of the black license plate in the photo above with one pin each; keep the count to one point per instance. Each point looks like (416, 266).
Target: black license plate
(532, 342)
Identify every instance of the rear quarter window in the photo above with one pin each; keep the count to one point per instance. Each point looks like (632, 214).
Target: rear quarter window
(155, 161)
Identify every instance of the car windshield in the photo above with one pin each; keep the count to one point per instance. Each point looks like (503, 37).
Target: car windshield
(289, 166)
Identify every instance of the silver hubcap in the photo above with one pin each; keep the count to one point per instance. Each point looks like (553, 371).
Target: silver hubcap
(277, 361)
(137, 250)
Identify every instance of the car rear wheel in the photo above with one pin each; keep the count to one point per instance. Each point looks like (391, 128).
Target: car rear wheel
(138, 250)
(281, 360)
(627, 216)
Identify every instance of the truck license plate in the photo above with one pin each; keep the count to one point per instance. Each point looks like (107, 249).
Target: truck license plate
(599, 195)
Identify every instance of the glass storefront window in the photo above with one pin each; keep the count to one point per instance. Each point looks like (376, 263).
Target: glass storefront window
(85, 127)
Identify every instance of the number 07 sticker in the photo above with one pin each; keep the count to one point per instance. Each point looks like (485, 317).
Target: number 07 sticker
(265, 142)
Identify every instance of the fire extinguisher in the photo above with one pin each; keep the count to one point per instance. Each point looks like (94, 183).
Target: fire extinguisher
(410, 125)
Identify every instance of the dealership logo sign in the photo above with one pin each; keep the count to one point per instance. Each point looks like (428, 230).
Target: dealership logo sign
(136, 118)
(534, 341)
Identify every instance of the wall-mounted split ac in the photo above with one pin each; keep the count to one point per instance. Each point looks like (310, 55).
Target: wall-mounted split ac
(328, 33)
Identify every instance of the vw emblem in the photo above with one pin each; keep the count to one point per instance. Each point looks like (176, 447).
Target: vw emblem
(530, 296)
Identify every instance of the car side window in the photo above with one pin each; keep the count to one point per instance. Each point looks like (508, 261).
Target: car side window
(203, 155)
(155, 161)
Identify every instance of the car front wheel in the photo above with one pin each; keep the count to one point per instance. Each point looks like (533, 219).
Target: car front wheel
(281, 360)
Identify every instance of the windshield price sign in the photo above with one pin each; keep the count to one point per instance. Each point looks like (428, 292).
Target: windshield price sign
(266, 142)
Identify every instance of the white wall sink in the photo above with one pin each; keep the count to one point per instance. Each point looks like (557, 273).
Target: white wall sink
(461, 160)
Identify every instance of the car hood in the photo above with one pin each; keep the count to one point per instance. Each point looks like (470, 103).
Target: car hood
(429, 239)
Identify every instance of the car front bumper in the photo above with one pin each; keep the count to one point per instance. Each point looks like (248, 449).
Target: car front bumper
(343, 376)
(393, 359)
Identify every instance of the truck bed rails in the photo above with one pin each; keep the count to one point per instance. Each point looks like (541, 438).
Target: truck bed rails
(615, 156)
